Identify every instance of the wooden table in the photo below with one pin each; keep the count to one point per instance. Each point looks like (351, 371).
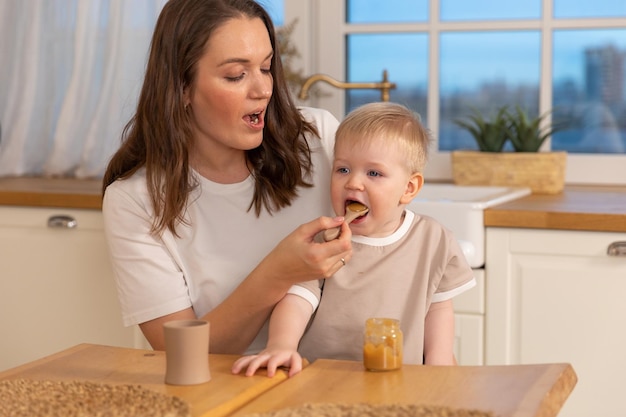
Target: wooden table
(508, 391)
(111, 365)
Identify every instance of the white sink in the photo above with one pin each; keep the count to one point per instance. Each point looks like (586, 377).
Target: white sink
(460, 209)
(478, 197)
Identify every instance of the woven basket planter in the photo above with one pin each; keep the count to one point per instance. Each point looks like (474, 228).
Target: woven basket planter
(542, 172)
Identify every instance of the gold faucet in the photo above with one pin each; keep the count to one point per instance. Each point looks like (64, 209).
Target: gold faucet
(384, 86)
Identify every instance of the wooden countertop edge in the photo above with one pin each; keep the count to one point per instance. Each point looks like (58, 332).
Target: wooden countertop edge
(593, 222)
(52, 192)
(578, 208)
(45, 199)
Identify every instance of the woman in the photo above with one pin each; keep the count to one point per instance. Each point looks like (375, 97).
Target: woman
(216, 168)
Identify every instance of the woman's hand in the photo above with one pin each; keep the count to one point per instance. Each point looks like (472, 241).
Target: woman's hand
(297, 258)
(301, 257)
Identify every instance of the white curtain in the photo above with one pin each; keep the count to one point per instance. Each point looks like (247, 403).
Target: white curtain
(70, 72)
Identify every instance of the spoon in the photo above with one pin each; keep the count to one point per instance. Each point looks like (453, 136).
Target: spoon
(353, 210)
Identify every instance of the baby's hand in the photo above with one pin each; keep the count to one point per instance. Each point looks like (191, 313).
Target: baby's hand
(270, 359)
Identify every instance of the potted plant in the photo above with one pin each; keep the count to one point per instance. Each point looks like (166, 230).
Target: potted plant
(524, 166)
(490, 134)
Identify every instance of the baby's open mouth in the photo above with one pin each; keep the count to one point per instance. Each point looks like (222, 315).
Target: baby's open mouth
(356, 208)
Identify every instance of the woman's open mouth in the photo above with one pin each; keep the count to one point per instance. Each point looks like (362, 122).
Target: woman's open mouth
(254, 119)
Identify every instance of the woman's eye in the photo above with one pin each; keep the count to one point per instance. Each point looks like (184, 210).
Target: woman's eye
(266, 70)
(236, 78)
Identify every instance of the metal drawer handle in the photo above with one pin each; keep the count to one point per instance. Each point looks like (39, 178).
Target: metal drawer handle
(617, 249)
(62, 222)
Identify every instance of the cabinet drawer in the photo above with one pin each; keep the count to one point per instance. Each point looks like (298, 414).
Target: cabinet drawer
(563, 242)
(473, 300)
(35, 217)
(56, 285)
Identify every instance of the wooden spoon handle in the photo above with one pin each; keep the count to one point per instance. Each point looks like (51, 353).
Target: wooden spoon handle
(330, 234)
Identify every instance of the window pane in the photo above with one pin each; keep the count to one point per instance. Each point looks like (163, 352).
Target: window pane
(489, 9)
(589, 90)
(377, 11)
(585, 8)
(403, 55)
(276, 10)
(485, 70)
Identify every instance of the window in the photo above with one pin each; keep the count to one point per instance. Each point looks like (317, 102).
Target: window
(485, 77)
(276, 9)
(589, 86)
(390, 11)
(566, 57)
(410, 75)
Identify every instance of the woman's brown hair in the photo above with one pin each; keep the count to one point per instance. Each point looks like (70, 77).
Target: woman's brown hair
(159, 135)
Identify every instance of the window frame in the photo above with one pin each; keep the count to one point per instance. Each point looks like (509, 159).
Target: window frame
(319, 36)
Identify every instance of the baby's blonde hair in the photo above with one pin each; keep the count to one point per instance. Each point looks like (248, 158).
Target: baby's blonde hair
(391, 122)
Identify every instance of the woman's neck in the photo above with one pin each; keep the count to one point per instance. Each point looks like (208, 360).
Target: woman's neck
(228, 168)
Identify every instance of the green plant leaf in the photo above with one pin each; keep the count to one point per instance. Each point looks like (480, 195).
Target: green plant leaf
(490, 134)
(526, 134)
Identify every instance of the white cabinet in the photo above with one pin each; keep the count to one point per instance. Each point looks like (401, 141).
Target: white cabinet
(556, 296)
(56, 285)
(469, 309)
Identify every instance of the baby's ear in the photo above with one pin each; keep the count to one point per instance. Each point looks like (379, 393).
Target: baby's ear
(413, 186)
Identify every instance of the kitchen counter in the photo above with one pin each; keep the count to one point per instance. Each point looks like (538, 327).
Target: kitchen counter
(576, 208)
(51, 192)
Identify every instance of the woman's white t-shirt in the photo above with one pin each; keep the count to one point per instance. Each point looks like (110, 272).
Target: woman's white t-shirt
(221, 244)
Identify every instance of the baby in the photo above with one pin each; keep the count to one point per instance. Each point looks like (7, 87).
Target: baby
(404, 266)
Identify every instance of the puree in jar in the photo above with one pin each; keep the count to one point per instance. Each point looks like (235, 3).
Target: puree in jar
(382, 347)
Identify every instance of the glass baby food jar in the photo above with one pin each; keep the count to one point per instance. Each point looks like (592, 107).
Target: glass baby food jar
(382, 344)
